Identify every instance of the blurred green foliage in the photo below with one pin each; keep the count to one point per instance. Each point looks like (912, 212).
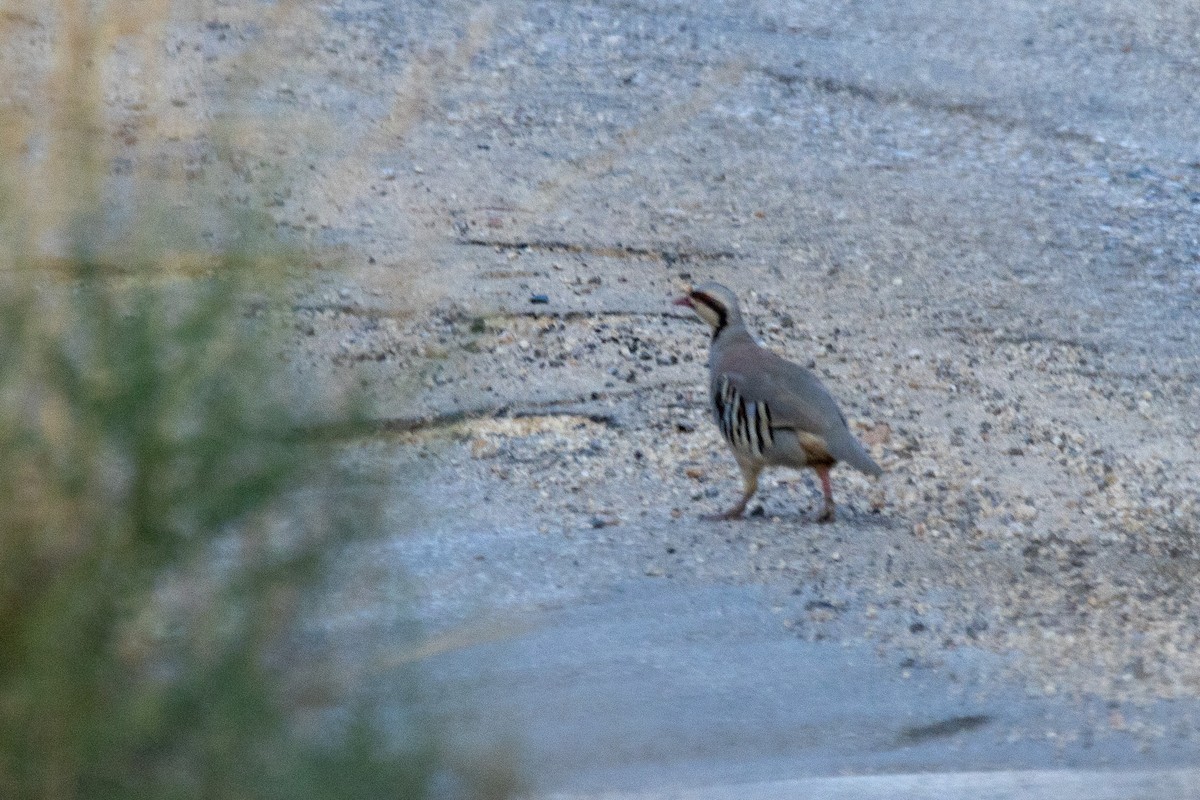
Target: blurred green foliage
(161, 521)
(165, 524)
(153, 561)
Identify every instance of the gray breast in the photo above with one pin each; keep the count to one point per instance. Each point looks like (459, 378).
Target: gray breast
(746, 426)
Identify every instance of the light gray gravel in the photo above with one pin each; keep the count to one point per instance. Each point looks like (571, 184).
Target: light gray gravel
(980, 222)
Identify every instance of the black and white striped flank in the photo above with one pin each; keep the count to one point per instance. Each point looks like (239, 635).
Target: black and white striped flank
(746, 426)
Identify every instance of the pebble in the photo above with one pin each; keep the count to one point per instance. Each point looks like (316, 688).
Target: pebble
(1025, 513)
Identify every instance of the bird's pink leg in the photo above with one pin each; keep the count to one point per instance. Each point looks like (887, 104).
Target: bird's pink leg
(827, 513)
(750, 481)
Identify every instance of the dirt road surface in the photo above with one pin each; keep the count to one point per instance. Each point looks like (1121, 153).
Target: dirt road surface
(979, 222)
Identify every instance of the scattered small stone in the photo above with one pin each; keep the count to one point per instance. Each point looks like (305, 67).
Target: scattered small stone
(944, 397)
(1025, 513)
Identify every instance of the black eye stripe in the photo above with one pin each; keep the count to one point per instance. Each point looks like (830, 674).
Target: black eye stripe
(716, 307)
(709, 301)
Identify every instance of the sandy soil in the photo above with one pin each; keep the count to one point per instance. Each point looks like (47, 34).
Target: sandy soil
(978, 222)
(1003, 298)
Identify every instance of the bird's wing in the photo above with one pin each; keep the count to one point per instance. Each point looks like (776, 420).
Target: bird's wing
(796, 399)
(794, 395)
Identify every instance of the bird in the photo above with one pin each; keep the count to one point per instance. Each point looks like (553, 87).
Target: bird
(770, 411)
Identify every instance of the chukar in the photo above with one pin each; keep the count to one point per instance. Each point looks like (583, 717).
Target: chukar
(770, 411)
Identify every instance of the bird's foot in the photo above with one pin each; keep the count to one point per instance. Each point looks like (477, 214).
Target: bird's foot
(827, 514)
(724, 516)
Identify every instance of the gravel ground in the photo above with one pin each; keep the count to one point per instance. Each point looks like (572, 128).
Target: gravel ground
(978, 222)
(1003, 299)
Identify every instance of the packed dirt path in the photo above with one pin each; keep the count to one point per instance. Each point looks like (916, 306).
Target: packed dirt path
(979, 222)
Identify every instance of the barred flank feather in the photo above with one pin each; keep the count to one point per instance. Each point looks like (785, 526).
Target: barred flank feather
(745, 426)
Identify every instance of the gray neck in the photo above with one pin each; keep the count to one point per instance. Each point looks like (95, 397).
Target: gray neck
(734, 331)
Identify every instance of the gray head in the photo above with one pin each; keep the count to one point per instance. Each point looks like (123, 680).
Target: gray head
(715, 304)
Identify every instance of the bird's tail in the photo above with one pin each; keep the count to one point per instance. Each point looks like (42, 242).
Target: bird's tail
(849, 450)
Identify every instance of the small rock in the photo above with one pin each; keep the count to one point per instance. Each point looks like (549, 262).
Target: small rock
(877, 434)
(482, 448)
(1025, 513)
